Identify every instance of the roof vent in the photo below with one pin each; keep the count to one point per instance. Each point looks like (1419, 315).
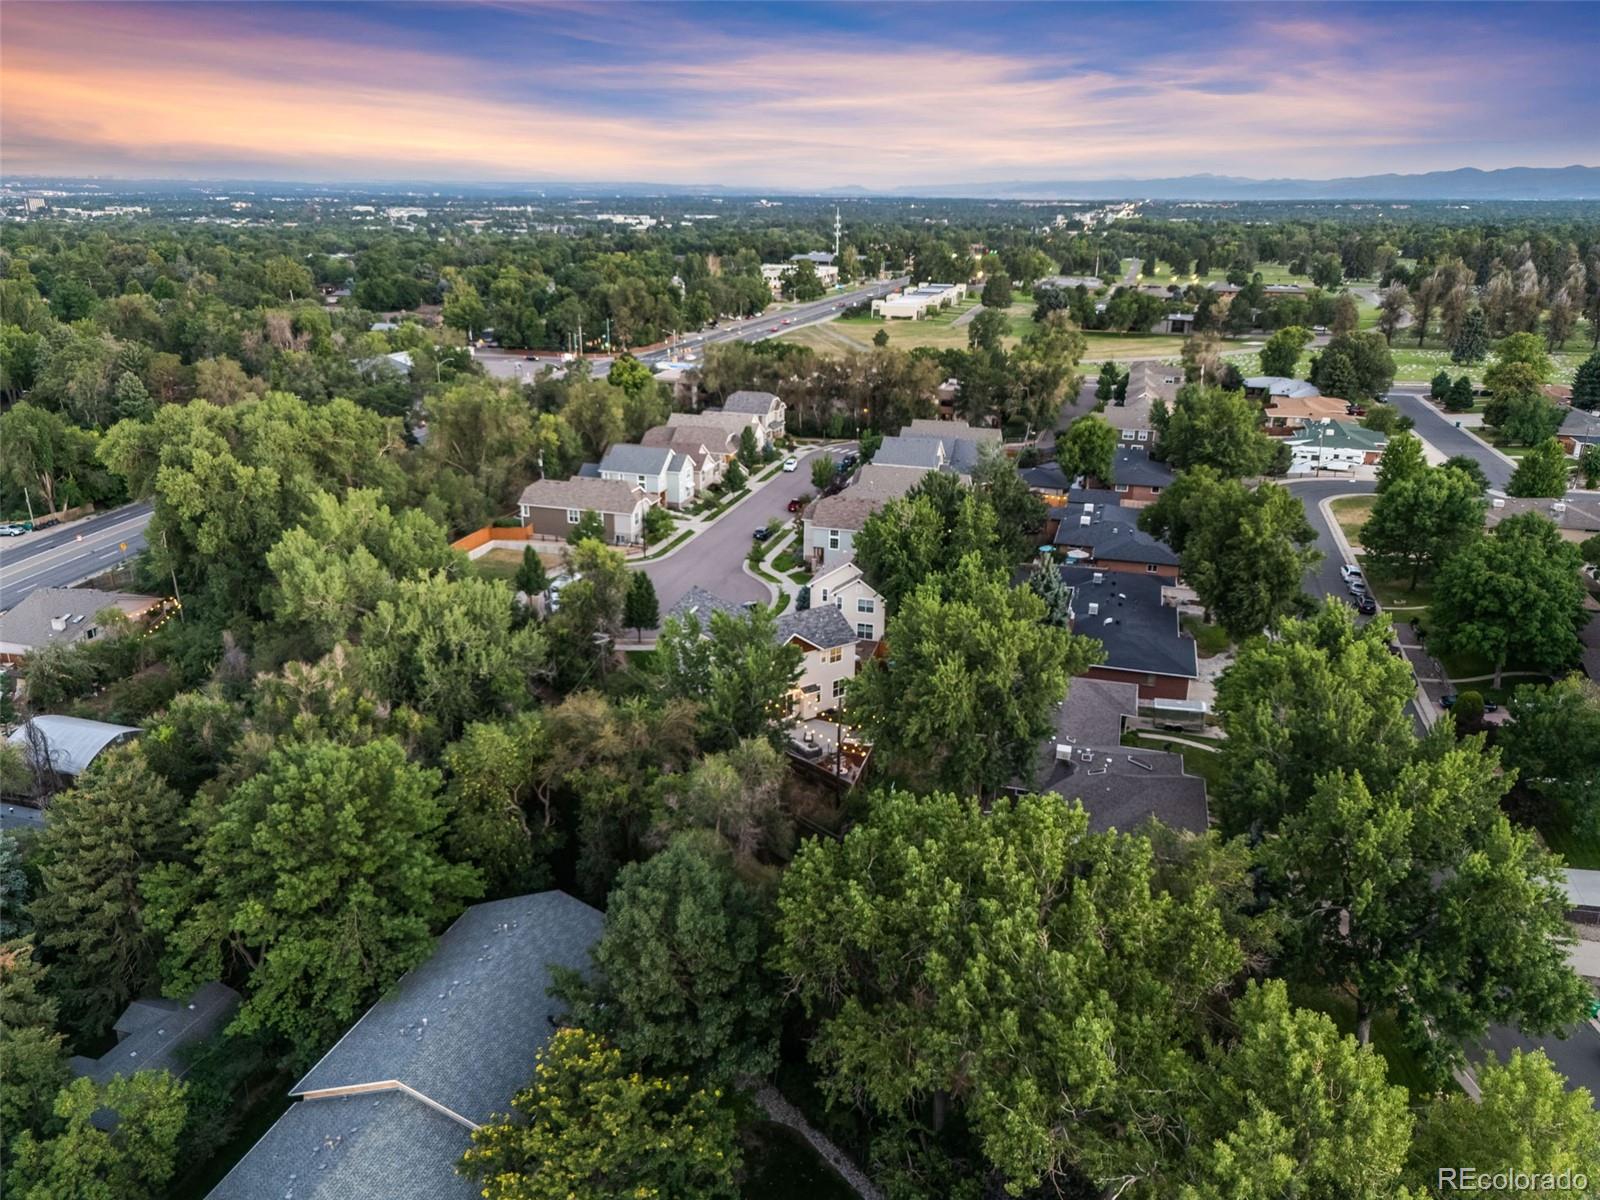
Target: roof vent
(1099, 576)
(1094, 609)
(1085, 519)
(1140, 763)
(1088, 508)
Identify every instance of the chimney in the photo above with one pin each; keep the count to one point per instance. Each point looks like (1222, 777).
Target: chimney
(59, 624)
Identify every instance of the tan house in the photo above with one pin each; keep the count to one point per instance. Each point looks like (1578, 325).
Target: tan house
(1284, 413)
(772, 411)
(845, 588)
(735, 423)
(62, 616)
(551, 507)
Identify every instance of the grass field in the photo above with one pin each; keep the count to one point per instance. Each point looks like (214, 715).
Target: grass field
(1415, 363)
(1352, 512)
(1581, 850)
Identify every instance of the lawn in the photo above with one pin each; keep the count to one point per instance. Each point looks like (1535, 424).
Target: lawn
(1352, 512)
(1404, 1069)
(1204, 763)
(1581, 850)
(504, 563)
(781, 1165)
(1209, 640)
(1103, 345)
(1395, 592)
(1415, 363)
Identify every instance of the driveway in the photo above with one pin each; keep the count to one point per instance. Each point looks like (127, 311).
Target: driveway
(714, 558)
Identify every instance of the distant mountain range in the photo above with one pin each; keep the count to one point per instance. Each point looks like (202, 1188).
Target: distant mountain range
(1465, 184)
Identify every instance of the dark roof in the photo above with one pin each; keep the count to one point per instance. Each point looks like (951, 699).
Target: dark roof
(628, 458)
(1046, 477)
(904, 451)
(1138, 631)
(151, 1032)
(588, 471)
(1119, 786)
(461, 1029)
(375, 1147)
(1135, 468)
(30, 622)
(701, 604)
(823, 627)
(1110, 531)
(1583, 426)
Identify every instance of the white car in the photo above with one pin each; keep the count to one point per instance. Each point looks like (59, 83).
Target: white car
(791, 464)
(1352, 574)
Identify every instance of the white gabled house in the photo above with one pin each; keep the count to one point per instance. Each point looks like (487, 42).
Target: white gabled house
(846, 589)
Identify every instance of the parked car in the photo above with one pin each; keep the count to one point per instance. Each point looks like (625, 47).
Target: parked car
(1351, 571)
(796, 504)
(791, 464)
(762, 534)
(12, 531)
(1367, 605)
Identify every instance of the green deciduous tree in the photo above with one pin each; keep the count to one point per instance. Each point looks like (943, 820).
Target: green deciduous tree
(1420, 520)
(1542, 471)
(1088, 447)
(53, 460)
(1525, 1119)
(678, 982)
(1402, 458)
(104, 837)
(1244, 551)
(734, 668)
(988, 329)
(494, 772)
(972, 684)
(1281, 354)
(823, 470)
(134, 1160)
(1354, 366)
(1004, 966)
(1422, 898)
(1325, 695)
(450, 648)
(589, 1128)
(322, 876)
(1209, 427)
(591, 527)
(1553, 742)
(1512, 596)
(1470, 467)
(997, 290)
(1519, 349)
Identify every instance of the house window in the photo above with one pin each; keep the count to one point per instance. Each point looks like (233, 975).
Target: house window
(1144, 435)
(573, 516)
(866, 605)
(834, 654)
(1122, 487)
(864, 631)
(640, 478)
(824, 595)
(1127, 435)
(1150, 568)
(838, 688)
(833, 539)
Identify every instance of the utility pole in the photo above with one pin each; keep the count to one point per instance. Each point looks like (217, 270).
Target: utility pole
(835, 235)
(29, 500)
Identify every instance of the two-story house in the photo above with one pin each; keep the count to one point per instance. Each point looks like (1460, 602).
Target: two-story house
(551, 507)
(828, 659)
(734, 423)
(772, 411)
(846, 589)
(646, 467)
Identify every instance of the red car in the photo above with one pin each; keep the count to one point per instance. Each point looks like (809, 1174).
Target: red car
(796, 504)
(774, 329)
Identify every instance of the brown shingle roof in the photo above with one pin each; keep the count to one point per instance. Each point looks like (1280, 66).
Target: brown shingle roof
(844, 511)
(601, 495)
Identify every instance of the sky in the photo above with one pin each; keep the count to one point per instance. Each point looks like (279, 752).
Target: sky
(796, 96)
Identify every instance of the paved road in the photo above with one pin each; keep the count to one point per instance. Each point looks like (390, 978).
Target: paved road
(1442, 433)
(1324, 579)
(70, 553)
(714, 559)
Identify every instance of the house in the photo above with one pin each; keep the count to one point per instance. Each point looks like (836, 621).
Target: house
(1333, 446)
(772, 411)
(914, 303)
(735, 423)
(1119, 787)
(1144, 644)
(1047, 481)
(1286, 413)
(1148, 382)
(831, 523)
(846, 589)
(923, 453)
(1268, 389)
(150, 1033)
(62, 616)
(950, 431)
(719, 440)
(389, 1111)
(647, 468)
(825, 636)
(886, 482)
(827, 640)
(1578, 429)
(397, 363)
(1577, 517)
(67, 745)
(952, 446)
(1108, 537)
(1137, 478)
(551, 507)
(1179, 322)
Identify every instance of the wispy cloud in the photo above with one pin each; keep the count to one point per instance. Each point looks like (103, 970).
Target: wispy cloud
(780, 96)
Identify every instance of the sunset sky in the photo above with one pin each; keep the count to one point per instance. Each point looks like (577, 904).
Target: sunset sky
(792, 95)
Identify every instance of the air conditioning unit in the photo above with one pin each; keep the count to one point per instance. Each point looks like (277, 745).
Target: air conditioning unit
(1099, 576)
(1088, 508)
(1498, 503)
(1094, 609)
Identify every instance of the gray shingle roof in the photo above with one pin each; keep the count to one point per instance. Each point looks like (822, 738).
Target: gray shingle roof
(948, 430)
(716, 438)
(904, 451)
(1584, 426)
(1092, 713)
(1139, 633)
(823, 627)
(760, 404)
(630, 459)
(1112, 533)
(73, 742)
(600, 495)
(701, 604)
(151, 1032)
(462, 1028)
(28, 623)
(589, 470)
(1134, 467)
(1046, 477)
(845, 511)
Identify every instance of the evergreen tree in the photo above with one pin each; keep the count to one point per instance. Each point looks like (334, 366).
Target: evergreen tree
(1586, 384)
(33, 1059)
(104, 837)
(1439, 389)
(640, 608)
(1472, 343)
(1461, 396)
(532, 578)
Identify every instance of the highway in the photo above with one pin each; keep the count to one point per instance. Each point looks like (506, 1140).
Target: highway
(71, 552)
